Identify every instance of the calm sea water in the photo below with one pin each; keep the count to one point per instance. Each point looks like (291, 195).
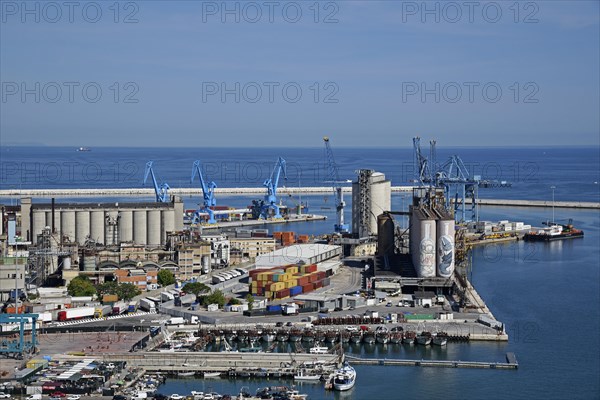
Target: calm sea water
(547, 294)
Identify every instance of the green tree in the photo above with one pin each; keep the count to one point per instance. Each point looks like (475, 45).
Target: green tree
(107, 288)
(215, 297)
(81, 286)
(234, 301)
(195, 288)
(250, 300)
(165, 277)
(127, 291)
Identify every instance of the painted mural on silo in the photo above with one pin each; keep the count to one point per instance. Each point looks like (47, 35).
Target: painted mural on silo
(427, 249)
(445, 248)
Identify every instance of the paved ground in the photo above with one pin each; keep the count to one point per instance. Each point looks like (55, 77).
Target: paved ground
(90, 343)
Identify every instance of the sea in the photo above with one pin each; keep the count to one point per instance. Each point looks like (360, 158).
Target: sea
(547, 294)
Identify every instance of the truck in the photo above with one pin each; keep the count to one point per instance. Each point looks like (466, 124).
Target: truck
(175, 321)
(76, 313)
(290, 309)
(187, 300)
(132, 307)
(147, 305)
(167, 296)
(120, 307)
(103, 311)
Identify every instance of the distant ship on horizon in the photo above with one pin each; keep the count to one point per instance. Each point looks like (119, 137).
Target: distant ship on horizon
(84, 149)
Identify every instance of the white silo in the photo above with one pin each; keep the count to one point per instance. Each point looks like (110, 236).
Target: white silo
(168, 224)
(140, 226)
(97, 224)
(126, 225)
(445, 247)
(67, 224)
(82, 225)
(154, 231)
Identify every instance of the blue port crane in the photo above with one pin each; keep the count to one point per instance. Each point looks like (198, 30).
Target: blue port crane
(162, 190)
(208, 193)
(453, 176)
(333, 176)
(272, 183)
(24, 343)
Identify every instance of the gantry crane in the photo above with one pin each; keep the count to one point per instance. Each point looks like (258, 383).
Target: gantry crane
(334, 177)
(272, 184)
(209, 199)
(162, 190)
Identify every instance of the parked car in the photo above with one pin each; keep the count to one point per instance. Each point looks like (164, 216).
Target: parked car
(4, 395)
(119, 397)
(58, 394)
(73, 397)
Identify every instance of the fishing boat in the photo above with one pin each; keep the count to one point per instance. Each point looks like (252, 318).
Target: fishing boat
(283, 335)
(553, 232)
(409, 337)
(440, 339)
(320, 335)
(84, 149)
(355, 337)
(242, 336)
(269, 335)
(424, 338)
(382, 335)
(308, 336)
(344, 378)
(396, 337)
(331, 336)
(230, 335)
(306, 375)
(295, 335)
(368, 337)
(345, 335)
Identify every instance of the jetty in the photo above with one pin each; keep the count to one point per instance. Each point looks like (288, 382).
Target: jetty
(511, 363)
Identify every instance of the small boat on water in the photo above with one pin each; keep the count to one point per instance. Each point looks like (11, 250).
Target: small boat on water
(424, 338)
(211, 374)
(382, 335)
(355, 337)
(345, 336)
(306, 375)
(269, 335)
(308, 336)
(440, 339)
(84, 149)
(368, 337)
(319, 335)
(283, 335)
(344, 378)
(331, 336)
(186, 373)
(283, 392)
(295, 335)
(319, 350)
(396, 337)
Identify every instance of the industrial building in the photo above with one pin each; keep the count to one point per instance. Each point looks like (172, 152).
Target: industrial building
(371, 196)
(248, 249)
(104, 223)
(12, 276)
(299, 253)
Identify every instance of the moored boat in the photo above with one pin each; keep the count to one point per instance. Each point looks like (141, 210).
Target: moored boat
(269, 335)
(440, 339)
(356, 337)
(368, 337)
(409, 337)
(424, 338)
(308, 336)
(554, 232)
(382, 335)
(331, 336)
(306, 375)
(283, 335)
(396, 337)
(344, 378)
(295, 335)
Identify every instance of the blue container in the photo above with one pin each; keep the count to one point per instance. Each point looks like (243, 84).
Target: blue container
(294, 290)
(276, 307)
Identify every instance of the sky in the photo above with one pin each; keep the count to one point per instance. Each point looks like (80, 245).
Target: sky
(277, 74)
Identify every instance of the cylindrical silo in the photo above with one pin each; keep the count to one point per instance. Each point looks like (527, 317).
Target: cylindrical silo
(66, 263)
(97, 226)
(445, 247)
(154, 227)
(67, 224)
(140, 226)
(39, 223)
(381, 199)
(385, 234)
(424, 247)
(126, 226)
(168, 223)
(82, 225)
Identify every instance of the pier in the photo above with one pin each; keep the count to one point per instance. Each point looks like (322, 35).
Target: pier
(511, 363)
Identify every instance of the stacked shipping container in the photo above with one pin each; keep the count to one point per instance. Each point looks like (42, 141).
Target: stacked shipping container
(287, 281)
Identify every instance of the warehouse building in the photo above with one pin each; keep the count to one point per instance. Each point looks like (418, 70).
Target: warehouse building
(310, 253)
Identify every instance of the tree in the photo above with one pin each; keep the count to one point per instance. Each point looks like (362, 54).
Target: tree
(234, 301)
(81, 286)
(215, 297)
(250, 300)
(195, 288)
(107, 288)
(165, 277)
(127, 291)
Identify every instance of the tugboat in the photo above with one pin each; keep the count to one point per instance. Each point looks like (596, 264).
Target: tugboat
(424, 338)
(409, 337)
(554, 232)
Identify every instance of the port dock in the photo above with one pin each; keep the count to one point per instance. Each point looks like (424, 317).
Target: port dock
(511, 363)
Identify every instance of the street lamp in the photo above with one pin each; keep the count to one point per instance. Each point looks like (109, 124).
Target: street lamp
(552, 187)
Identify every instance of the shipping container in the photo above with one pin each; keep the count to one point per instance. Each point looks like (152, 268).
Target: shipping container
(76, 313)
(103, 311)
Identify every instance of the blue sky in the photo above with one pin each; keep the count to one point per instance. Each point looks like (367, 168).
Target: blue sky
(363, 69)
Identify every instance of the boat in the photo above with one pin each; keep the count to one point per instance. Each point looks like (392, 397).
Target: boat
(187, 373)
(84, 149)
(355, 337)
(282, 336)
(319, 350)
(368, 337)
(396, 337)
(242, 336)
(344, 378)
(305, 375)
(282, 392)
(308, 336)
(382, 335)
(345, 336)
(331, 336)
(424, 338)
(211, 374)
(409, 337)
(269, 335)
(554, 232)
(252, 349)
(319, 335)
(440, 339)
(295, 335)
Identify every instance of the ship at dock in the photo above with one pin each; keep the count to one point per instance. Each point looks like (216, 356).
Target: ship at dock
(553, 232)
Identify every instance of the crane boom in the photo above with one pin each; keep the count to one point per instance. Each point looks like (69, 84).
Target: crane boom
(161, 191)
(334, 177)
(209, 199)
(272, 183)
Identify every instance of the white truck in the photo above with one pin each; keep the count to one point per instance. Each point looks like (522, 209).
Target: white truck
(147, 305)
(290, 309)
(176, 321)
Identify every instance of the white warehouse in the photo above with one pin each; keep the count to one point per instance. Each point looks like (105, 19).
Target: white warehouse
(309, 253)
